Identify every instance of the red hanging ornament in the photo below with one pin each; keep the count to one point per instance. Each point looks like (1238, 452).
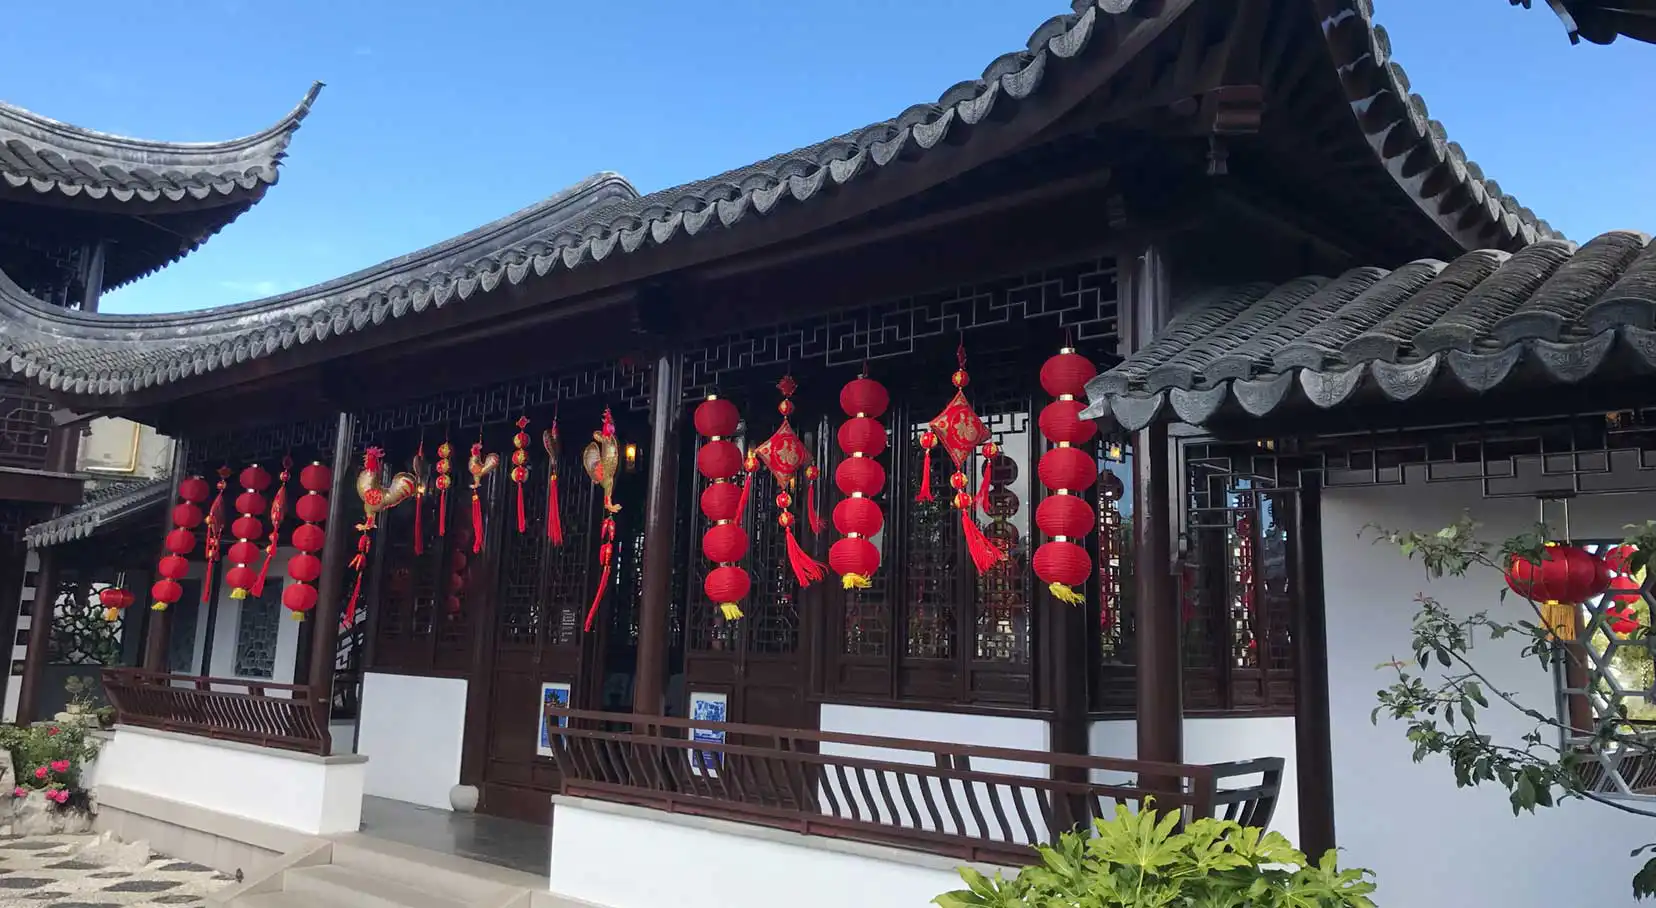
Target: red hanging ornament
(445, 479)
(278, 513)
(215, 534)
(247, 528)
(554, 508)
(719, 460)
(1619, 559)
(480, 465)
(812, 474)
(520, 468)
(114, 601)
(959, 431)
(422, 483)
(1563, 578)
(785, 456)
(304, 567)
(186, 516)
(1066, 471)
(857, 517)
(377, 497)
(601, 459)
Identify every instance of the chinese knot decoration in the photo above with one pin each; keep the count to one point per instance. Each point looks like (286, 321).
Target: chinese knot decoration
(1066, 471)
(114, 601)
(785, 456)
(215, 534)
(445, 478)
(520, 468)
(186, 516)
(278, 513)
(377, 496)
(480, 465)
(422, 484)
(305, 566)
(959, 431)
(247, 528)
(725, 543)
(602, 459)
(1564, 577)
(554, 508)
(860, 478)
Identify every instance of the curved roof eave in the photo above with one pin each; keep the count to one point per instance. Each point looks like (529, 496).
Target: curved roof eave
(62, 161)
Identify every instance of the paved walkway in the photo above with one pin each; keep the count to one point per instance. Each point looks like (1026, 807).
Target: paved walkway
(52, 872)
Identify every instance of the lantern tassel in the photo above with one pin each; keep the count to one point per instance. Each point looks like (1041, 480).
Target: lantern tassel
(257, 589)
(523, 525)
(983, 487)
(925, 493)
(811, 509)
(419, 526)
(741, 503)
(1064, 593)
(855, 581)
(207, 586)
(350, 607)
(807, 570)
(606, 557)
(442, 514)
(158, 606)
(1560, 619)
(985, 554)
(554, 517)
(477, 524)
(731, 611)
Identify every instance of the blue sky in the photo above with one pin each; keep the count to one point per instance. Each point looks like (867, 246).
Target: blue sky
(440, 116)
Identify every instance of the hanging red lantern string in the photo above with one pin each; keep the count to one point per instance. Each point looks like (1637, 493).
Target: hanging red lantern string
(215, 534)
(1623, 595)
(445, 478)
(602, 459)
(520, 468)
(725, 543)
(305, 566)
(377, 496)
(554, 509)
(480, 465)
(278, 513)
(812, 474)
(173, 566)
(785, 455)
(960, 431)
(114, 601)
(422, 481)
(857, 517)
(247, 528)
(1565, 577)
(1063, 562)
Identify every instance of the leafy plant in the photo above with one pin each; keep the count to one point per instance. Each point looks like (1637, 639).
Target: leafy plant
(1143, 860)
(49, 759)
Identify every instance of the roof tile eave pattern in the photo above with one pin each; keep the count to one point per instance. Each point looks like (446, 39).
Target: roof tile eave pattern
(1551, 309)
(105, 505)
(48, 157)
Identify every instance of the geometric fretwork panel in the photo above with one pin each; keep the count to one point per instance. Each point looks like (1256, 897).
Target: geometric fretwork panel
(1610, 690)
(257, 629)
(80, 635)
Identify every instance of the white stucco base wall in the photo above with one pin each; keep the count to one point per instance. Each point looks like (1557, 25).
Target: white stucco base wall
(412, 729)
(1434, 845)
(299, 792)
(596, 848)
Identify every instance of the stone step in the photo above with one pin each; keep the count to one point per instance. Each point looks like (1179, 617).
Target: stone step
(286, 900)
(467, 881)
(334, 884)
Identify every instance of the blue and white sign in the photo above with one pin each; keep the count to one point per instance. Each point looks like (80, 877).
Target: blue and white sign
(707, 707)
(553, 693)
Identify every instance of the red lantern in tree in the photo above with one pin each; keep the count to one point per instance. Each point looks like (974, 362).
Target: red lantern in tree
(1563, 578)
(785, 456)
(186, 516)
(1623, 595)
(114, 601)
(1063, 563)
(725, 542)
(960, 431)
(859, 477)
(305, 566)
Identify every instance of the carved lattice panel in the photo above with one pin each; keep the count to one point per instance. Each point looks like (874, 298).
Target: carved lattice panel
(25, 426)
(258, 625)
(571, 580)
(80, 635)
(518, 600)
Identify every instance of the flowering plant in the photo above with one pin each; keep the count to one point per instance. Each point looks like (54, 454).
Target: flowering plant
(49, 759)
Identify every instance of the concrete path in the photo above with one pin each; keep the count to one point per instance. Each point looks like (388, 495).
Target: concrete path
(85, 872)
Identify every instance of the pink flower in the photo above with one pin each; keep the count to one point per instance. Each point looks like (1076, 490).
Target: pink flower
(61, 795)
(20, 792)
(53, 731)
(60, 766)
(40, 773)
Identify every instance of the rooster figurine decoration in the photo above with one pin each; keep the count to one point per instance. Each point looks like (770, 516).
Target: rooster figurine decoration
(480, 466)
(601, 459)
(377, 497)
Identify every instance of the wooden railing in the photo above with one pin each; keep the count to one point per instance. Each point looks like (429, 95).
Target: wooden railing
(282, 716)
(990, 804)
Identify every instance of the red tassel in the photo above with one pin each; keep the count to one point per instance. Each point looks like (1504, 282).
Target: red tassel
(477, 524)
(983, 488)
(257, 589)
(606, 556)
(807, 570)
(419, 533)
(811, 509)
(741, 503)
(359, 563)
(523, 525)
(985, 554)
(207, 586)
(554, 517)
(442, 514)
(350, 607)
(925, 477)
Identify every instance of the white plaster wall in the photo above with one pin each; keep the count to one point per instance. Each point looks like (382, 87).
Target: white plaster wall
(595, 859)
(308, 794)
(412, 728)
(1430, 843)
(1222, 740)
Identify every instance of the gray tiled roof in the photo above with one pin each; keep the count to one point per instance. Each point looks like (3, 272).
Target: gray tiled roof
(105, 355)
(105, 505)
(1550, 310)
(55, 158)
(1600, 21)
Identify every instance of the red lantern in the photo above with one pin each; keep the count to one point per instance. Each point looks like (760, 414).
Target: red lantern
(1062, 563)
(1564, 578)
(304, 567)
(854, 557)
(299, 598)
(858, 516)
(1619, 558)
(173, 567)
(864, 397)
(180, 541)
(1624, 589)
(1622, 619)
(725, 542)
(859, 474)
(862, 434)
(165, 592)
(114, 600)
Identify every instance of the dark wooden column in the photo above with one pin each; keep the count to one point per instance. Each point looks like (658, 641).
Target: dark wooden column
(1160, 687)
(1313, 742)
(157, 638)
(666, 415)
(92, 275)
(330, 587)
(40, 634)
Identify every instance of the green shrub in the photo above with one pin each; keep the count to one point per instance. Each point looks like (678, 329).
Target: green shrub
(48, 759)
(1139, 860)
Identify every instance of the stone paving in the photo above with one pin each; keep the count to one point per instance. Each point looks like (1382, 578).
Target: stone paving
(75, 871)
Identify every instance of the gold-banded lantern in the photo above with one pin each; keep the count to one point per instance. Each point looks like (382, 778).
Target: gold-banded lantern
(1564, 577)
(247, 528)
(520, 468)
(1063, 562)
(860, 478)
(445, 479)
(786, 456)
(173, 566)
(725, 543)
(305, 565)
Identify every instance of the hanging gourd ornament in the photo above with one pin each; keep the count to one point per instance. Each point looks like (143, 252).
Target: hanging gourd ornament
(601, 459)
(173, 566)
(785, 456)
(520, 468)
(1564, 577)
(1063, 562)
(377, 496)
(445, 479)
(959, 431)
(305, 566)
(859, 477)
(725, 543)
